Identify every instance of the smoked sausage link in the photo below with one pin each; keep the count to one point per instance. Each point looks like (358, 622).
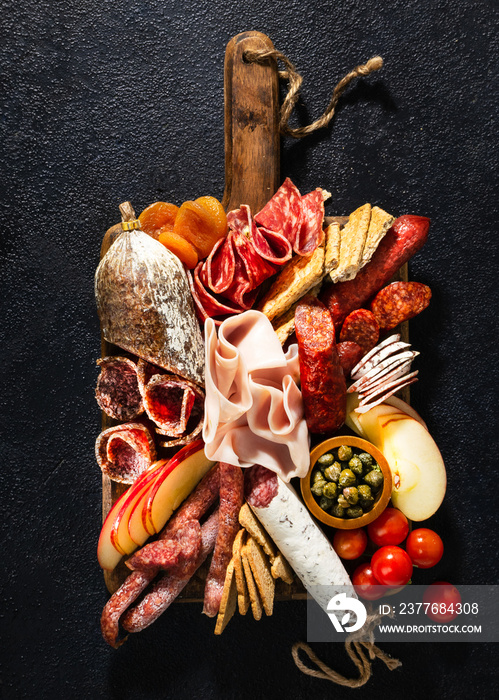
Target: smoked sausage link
(322, 380)
(407, 235)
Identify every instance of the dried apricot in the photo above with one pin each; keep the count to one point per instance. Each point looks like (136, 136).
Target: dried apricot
(178, 246)
(157, 215)
(217, 211)
(198, 226)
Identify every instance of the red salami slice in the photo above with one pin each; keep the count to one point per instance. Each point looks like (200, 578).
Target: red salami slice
(170, 585)
(322, 380)
(260, 486)
(360, 327)
(125, 451)
(207, 305)
(311, 233)
(282, 214)
(349, 353)
(270, 245)
(117, 391)
(169, 553)
(231, 500)
(399, 302)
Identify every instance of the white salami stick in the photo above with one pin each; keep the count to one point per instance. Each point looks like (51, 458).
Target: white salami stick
(301, 541)
(169, 586)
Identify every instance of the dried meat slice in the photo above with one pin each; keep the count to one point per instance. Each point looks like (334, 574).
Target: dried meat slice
(117, 391)
(125, 451)
(145, 371)
(311, 234)
(270, 245)
(207, 305)
(283, 213)
(168, 401)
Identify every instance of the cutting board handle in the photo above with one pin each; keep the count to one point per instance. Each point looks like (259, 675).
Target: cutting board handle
(252, 142)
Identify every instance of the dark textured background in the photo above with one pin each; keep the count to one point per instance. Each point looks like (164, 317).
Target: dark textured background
(107, 101)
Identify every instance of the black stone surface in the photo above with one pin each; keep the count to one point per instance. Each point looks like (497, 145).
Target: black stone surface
(107, 101)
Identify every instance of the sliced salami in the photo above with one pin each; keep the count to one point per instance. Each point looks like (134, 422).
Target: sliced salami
(117, 391)
(322, 380)
(311, 233)
(398, 302)
(283, 212)
(231, 500)
(272, 246)
(207, 305)
(349, 354)
(125, 451)
(361, 327)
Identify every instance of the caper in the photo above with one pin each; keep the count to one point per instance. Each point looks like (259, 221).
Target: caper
(325, 503)
(325, 460)
(347, 478)
(354, 512)
(366, 503)
(374, 479)
(351, 493)
(366, 459)
(344, 453)
(317, 476)
(376, 467)
(330, 490)
(356, 465)
(333, 472)
(318, 487)
(365, 491)
(338, 511)
(343, 501)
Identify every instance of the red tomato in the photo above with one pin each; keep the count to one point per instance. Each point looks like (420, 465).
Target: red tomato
(350, 544)
(391, 527)
(392, 566)
(424, 547)
(365, 584)
(444, 601)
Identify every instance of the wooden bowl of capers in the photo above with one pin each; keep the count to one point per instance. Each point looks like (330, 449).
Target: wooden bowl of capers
(349, 482)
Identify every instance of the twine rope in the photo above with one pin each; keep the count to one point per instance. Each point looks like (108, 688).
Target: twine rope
(294, 83)
(356, 650)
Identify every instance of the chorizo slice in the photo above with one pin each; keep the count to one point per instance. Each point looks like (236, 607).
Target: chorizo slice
(349, 353)
(398, 302)
(361, 327)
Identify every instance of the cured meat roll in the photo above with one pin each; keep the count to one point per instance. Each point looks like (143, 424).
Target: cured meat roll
(117, 391)
(125, 451)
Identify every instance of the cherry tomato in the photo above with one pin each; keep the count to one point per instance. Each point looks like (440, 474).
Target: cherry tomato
(391, 527)
(424, 547)
(392, 566)
(365, 584)
(444, 601)
(350, 544)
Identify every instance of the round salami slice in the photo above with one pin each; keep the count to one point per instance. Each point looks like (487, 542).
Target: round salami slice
(125, 451)
(360, 327)
(398, 302)
(349, 354)
(117, 391)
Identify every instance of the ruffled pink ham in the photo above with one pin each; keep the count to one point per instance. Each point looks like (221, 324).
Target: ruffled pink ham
(253, 407)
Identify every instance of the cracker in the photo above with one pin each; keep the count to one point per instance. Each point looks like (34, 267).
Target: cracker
(353, 238)
(243, 597)
(252, 526)
(228, 604)
(295, 279)
(281, 569)
(260, 568)
(332, 247)
(256, 603)
(378, 226)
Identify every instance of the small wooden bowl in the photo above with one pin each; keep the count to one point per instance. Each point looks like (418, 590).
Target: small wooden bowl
(381, 500)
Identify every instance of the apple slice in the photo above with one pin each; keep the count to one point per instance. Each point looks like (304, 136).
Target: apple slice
(418, 470)
(179, 478)
(351, 416)
(110, 547)
(406, 408)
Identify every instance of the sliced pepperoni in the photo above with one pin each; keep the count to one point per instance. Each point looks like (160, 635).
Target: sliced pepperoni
(349, 353)
(361, 327)
(231, 500)
(117, 391)
(398, 302)
(125, 451)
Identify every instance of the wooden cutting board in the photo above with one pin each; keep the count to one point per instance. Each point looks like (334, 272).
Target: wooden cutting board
(252, 175)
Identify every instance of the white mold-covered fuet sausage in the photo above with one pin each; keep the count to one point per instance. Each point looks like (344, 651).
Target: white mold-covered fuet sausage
(288, 522)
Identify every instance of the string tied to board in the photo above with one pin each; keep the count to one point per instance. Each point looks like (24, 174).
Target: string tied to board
(355, 649)
(294, 84)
